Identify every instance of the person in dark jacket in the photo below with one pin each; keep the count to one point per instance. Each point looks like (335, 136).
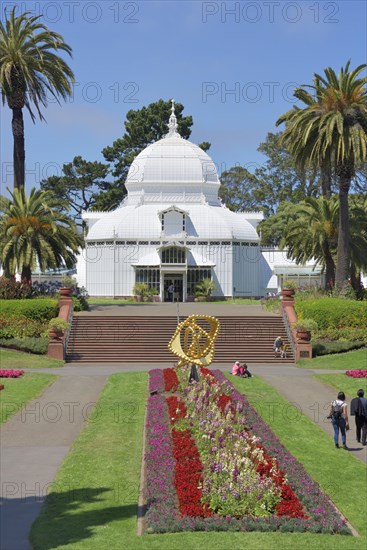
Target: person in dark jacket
(358, 409)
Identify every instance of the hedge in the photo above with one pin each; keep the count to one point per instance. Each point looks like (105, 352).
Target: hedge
(37, 309)
(320, 347)
(333, 312)
(33, 345)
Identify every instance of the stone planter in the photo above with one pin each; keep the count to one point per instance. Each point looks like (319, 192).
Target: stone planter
(303, 335)
(65, 291)
(287, 294)
(55, 335)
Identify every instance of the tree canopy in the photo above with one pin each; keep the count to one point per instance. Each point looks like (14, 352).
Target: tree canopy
(277, 180)
(29, 71)
(34, 230)
(331, 131)
(80, 185)
(309, 231)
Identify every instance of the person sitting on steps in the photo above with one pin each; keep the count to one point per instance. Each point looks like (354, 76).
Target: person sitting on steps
(279, 347)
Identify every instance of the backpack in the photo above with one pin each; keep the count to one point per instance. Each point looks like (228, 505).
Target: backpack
(337, 410)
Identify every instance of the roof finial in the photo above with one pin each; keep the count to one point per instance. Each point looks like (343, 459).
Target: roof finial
(172, 125)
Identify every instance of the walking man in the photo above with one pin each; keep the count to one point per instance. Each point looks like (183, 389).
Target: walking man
(358, 409)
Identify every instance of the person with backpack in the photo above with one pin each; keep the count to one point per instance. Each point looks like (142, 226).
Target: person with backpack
(339, 419)
(358, 409)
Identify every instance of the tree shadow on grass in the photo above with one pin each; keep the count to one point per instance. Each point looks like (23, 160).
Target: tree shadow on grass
(69, 517)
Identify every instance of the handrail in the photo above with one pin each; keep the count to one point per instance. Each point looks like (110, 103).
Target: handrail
(68, 331)
(288, 331)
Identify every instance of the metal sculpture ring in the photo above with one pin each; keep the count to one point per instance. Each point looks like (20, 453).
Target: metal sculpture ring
(192, 343)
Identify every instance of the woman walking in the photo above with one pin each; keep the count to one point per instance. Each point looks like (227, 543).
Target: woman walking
(339, 419)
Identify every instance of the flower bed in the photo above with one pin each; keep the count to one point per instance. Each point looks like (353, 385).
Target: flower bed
(361, 373)
(235, 471)
(10, 373)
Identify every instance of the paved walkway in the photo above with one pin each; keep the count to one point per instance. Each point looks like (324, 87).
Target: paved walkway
(35, 441)
(33, 445)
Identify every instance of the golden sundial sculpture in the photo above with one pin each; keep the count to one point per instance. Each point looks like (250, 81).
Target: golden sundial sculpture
(198, 343)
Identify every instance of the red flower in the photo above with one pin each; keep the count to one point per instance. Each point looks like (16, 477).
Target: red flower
(170, 380)
(208, 373)
(176, 408)
(188, 475)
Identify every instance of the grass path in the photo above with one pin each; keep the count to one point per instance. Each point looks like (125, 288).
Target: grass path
(93, 502)
(20, 391)
(10, 359)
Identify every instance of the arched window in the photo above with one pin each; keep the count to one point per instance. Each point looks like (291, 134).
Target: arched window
(173, 255)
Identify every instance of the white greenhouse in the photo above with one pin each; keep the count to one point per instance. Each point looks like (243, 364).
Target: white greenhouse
(172, 229)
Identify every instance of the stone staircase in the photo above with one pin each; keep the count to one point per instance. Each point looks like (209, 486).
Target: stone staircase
(107, 339)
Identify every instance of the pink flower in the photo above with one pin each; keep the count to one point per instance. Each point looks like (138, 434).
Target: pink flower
(359, 373)
(10, 373)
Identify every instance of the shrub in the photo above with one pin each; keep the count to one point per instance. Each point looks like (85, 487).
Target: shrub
(10, 289)
(144, 291)
(355, 334)
(274, 305)
(333, 312)
(347, 292)
(308, 325)
(80, 303)
(58, 325)
(290, 284)
(69, 282)
(322, 347)
(30, 344)
(20, 327)
(46, 288)
(38, 309)
(204, 288)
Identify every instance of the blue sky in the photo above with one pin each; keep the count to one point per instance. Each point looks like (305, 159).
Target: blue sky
(232, 64)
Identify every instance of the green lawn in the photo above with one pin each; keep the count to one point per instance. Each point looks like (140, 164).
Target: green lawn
(93, 502)
(10, 359)
(18, 392)
(342, 382)
(350, 360)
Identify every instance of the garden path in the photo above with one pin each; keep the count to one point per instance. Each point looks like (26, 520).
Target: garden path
(33, 444)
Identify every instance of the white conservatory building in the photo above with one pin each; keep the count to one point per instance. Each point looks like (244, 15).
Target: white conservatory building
(172, 228)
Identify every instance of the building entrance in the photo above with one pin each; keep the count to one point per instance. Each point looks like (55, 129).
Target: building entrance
(173, 288)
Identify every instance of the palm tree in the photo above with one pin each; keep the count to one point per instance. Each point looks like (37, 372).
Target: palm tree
(312, 233)
(205, 287)
(331, 131)
(33, 231)
(29, 70)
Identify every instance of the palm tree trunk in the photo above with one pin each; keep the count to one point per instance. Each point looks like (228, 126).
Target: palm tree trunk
(355, 279)
(342, 264)
(325, 173)
(19, 149)
(329, 267)
(26, 275)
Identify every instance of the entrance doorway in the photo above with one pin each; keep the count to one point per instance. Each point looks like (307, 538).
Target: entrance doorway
(173, 288)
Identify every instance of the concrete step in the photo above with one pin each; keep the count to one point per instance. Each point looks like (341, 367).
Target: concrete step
(98, 339)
